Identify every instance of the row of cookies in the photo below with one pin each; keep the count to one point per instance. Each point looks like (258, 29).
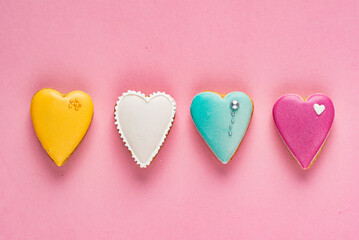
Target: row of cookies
(61, 121)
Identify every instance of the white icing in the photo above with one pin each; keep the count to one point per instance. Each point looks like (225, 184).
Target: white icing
(144, 122)
(319, 109)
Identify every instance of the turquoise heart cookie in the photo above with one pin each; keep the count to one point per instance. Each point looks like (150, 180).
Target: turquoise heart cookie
(222, 121)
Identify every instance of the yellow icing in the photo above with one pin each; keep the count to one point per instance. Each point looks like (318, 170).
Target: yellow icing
(60, 121)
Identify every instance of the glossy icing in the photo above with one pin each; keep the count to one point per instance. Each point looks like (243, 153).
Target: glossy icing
(60, 121)
(222, 130)
(144, 122)
(304, 124)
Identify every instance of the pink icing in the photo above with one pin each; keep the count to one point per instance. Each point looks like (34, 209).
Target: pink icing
(302, 129)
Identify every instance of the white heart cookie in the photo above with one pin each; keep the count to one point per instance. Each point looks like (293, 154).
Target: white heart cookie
(144, 122)
(319, 109)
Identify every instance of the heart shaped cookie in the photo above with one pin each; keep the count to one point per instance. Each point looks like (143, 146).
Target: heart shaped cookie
(304, 125)
(144, 122)
(222, 121)
(60, 121)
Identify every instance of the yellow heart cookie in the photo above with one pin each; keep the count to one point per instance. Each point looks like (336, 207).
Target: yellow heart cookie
(60, 121)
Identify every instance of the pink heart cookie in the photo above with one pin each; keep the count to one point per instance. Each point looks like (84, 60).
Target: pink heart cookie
(304, 124)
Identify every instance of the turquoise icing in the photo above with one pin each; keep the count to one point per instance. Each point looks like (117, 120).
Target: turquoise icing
(212, 116)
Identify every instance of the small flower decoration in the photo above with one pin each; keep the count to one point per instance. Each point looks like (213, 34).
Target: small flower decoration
(74, 103)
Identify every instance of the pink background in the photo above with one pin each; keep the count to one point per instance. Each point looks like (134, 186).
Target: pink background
(264, 48)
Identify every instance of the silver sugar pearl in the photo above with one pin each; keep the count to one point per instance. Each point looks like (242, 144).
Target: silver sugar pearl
(234, 105)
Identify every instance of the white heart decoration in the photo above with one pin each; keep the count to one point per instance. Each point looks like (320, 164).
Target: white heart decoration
(144, 122)
(319, 109)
